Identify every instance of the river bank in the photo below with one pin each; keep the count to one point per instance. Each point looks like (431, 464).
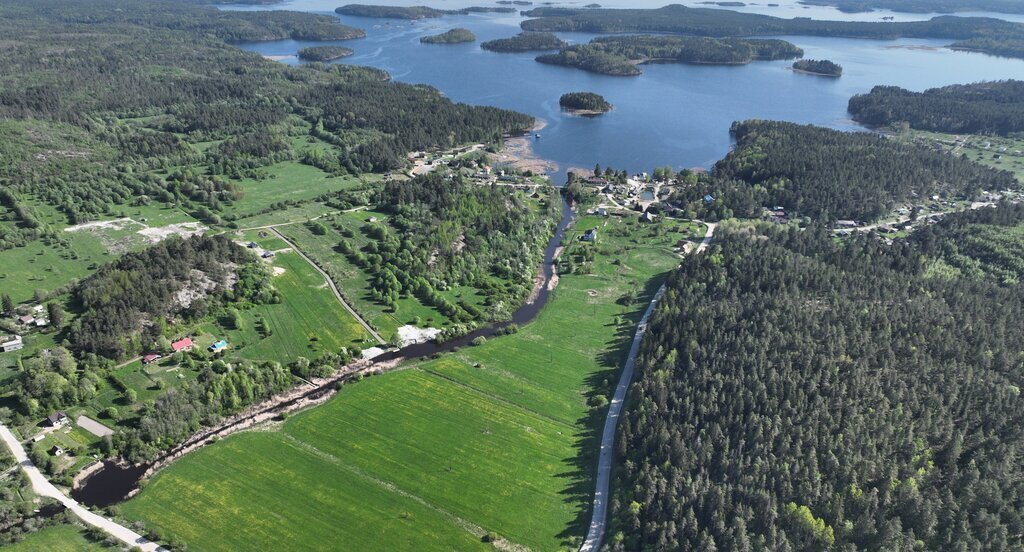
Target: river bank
(517, 152)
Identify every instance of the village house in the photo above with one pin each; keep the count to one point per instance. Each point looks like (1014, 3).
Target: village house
(27, 320)
(648, 217)
(11, 343)
(590, 235)
(58, 419)
(181, 345)
(57, 451)
(152, 357)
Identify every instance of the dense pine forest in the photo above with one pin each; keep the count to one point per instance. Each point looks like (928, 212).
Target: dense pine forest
(818, 67)
(979, 108)
(144, 82)
(584, 101)
(795, 393)
(726, 23)
(826, 174)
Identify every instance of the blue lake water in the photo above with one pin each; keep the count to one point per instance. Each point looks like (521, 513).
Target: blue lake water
(677, 115)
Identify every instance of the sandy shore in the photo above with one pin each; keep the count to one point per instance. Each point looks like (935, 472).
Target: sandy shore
(518, 152)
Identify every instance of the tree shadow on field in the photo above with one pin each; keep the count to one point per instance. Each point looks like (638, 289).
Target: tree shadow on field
(580, 493)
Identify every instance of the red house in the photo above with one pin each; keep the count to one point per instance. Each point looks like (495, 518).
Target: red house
(150, 358)
(181, 345)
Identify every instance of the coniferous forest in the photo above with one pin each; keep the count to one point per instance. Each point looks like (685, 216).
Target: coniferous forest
(826, 174)
(979, 108)
(795, 393)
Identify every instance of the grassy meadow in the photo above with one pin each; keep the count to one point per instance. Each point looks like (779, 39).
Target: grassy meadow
(497, 438)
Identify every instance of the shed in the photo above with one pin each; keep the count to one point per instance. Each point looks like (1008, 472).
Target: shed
(11, 343)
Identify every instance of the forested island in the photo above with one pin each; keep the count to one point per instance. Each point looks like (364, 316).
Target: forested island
(922, 6)
(826, 174)
(890, 368)
(981, 34)
(620, 55)
(413, 12)
(584, 103)
(979, 108)
(822, 67)
(324, 53)
(453, 36)
(525, 42)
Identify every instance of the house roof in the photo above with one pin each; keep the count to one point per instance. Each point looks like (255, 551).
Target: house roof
(150, 357)
(57, 416)
(181, 344)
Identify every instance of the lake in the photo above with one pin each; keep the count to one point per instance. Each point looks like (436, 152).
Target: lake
(672, 115)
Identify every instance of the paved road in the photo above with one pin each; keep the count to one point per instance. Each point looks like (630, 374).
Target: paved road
(330, 282)
(43, 487)
(604, 464)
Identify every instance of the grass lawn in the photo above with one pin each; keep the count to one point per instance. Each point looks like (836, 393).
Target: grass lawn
(495, 438)
(288, 181)
(308, 322)
(58, 538)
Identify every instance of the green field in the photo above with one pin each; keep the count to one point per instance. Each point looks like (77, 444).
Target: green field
(288, 181)
(495, 438)
(59, 538)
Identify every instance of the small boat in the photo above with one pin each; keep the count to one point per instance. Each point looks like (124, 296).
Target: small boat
(537, 136)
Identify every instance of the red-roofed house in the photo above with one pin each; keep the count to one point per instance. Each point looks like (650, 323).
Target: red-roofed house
(181, 345)
(150, 358)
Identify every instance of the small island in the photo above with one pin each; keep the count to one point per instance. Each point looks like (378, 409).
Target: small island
(586, 104)
(525, 42)
(324, 53)
(454, 36)
(822, 67)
